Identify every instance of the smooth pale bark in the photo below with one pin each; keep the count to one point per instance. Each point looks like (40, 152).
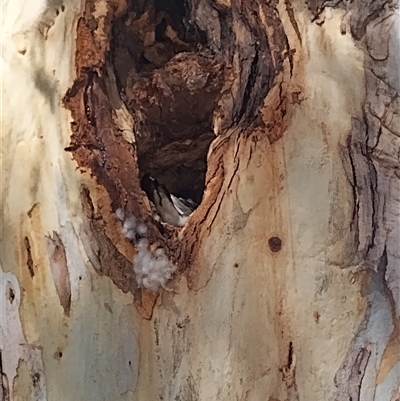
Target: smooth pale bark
(315, 318)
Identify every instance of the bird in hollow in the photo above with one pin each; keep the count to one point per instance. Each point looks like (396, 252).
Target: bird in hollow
(171, 209)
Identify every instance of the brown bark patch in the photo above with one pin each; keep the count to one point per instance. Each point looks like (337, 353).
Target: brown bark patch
(109, 251)
(174, 107)
(59, 270)
(29, 260)
(275, 244)
(184, 73)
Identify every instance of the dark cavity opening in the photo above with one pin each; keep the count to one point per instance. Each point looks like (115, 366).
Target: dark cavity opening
(171, 89)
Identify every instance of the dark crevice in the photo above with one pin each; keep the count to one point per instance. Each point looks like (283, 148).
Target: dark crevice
(4, 381)
(11, 295)
(292, 18)
(154, 50)
(170, 73)
(364, 186)
(373, 189)
(148, 35)
(290, 356)
(250, 84)
(354, 219)
(29, 260)
(257, 71)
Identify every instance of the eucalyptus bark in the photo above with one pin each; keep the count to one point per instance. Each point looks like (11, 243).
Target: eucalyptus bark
(281, 119)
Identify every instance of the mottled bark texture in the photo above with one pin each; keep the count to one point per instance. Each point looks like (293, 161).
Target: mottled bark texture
(184, 78)
(189, 71)
(371, 160)
(281, 119)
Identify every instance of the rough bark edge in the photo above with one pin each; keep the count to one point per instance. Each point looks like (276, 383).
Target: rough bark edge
(248, 119)
(368, 163)
(100, 148)
(95, 137)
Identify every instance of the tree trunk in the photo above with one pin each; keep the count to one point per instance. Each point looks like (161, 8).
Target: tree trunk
(281, 119)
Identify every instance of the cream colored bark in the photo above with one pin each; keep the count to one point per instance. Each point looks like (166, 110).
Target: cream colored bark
(252, 324)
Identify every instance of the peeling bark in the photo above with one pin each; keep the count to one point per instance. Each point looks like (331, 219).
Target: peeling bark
(258, 62)
(97, 143)
(373, 165)
(15, 349)
(287, 280)
(372, 172)
(59, 269)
